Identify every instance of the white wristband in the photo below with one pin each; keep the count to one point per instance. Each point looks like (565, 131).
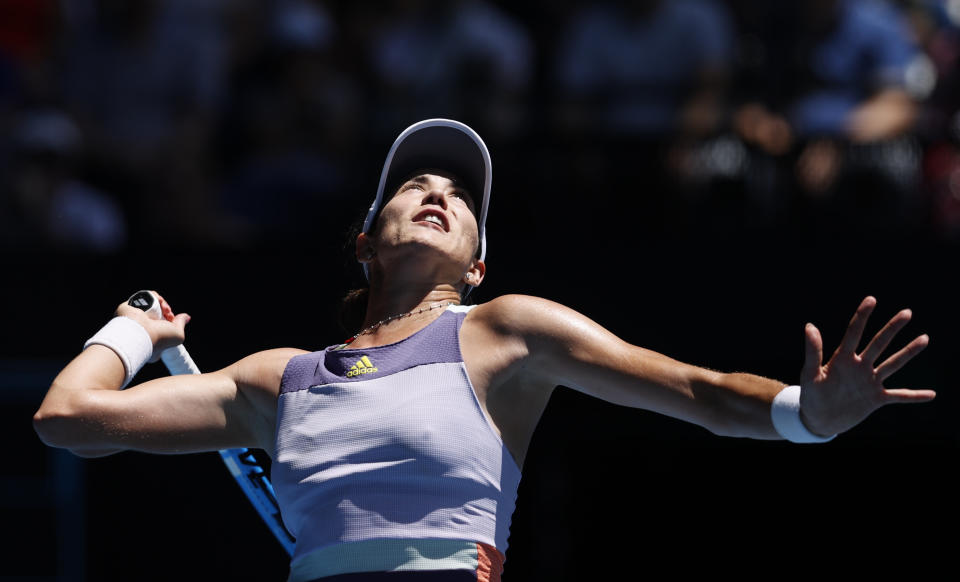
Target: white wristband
(785, 413)
(129, 340)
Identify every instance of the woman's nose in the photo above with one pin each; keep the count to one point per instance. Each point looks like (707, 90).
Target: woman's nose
(435, 196)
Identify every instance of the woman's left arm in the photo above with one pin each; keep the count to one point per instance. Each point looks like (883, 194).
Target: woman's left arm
(572, 350)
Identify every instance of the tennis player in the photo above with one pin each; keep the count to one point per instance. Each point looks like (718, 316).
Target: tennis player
(397, 454)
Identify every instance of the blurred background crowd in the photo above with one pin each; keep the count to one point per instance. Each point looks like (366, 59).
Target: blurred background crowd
(237, 123)
(702, 177)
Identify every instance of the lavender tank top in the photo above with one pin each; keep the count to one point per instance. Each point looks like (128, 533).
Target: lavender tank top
(390, 442)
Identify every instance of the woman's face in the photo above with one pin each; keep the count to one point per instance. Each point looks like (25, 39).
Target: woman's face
(430, 212)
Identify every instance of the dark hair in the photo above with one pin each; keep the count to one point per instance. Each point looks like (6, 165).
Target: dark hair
(353, 306)
(353, 309)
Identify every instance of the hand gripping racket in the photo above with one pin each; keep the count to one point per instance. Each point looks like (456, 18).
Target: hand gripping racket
(241, 462)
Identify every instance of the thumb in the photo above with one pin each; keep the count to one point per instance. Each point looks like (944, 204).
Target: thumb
(813, 354)
(181, 320)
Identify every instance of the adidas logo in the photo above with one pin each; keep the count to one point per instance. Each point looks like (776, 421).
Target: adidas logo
(363, 366)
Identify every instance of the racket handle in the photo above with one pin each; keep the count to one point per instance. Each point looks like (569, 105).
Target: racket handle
(177, 360)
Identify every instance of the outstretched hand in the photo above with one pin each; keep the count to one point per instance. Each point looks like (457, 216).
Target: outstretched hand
(838, 395)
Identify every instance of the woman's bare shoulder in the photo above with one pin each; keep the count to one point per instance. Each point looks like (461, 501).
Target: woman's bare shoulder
(263, 370)
(272, 358)
(514, 304)
(519, 313)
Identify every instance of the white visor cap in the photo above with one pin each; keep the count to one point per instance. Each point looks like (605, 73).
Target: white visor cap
(439, 144)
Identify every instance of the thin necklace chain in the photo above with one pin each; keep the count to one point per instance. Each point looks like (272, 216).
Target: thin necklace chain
(373, 327)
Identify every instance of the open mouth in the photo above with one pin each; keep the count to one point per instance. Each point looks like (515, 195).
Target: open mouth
(434, 217)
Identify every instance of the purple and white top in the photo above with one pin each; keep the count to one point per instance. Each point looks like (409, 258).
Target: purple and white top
(390, 443)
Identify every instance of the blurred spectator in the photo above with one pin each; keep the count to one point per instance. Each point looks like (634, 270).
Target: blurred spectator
(24, 28)
(144, 80)
(649, 68)
(28, 33)
(465, 59)
(936, 25)
(830, 87)
(650, 79)
(291, 123)
(46, 205)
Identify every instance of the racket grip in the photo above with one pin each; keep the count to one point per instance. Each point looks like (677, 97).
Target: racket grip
(178, 361)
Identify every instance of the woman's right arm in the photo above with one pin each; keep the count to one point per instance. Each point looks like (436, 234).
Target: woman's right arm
(86, 412)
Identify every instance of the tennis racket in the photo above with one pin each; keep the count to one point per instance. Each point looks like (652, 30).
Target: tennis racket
(241, 462)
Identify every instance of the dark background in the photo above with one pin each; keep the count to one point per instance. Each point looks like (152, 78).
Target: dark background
(219, 154)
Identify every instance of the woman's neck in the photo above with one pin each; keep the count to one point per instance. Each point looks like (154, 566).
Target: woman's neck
(393, 315)
(383, 303)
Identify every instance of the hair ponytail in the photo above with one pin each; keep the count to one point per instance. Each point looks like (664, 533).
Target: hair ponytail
(353, 310)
